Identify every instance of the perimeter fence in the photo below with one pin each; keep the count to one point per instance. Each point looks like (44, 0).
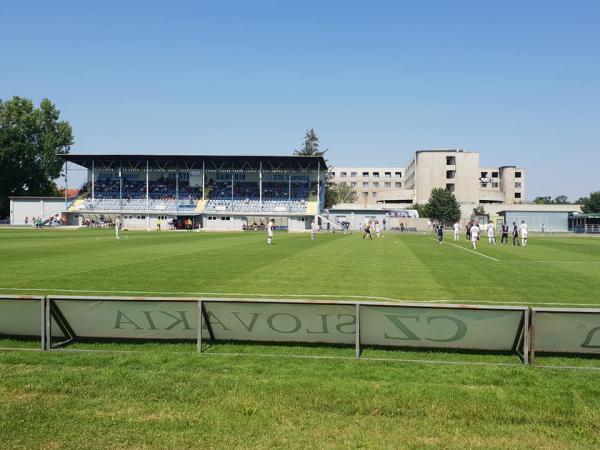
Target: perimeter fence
(58, 321)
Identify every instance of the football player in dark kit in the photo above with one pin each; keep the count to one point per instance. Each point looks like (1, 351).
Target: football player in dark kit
(515, 234)
(504, 239)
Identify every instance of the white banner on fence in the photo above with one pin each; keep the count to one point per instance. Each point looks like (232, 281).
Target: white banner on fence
(278, 322)
(20, 317)
(477, 329)
(567, 331)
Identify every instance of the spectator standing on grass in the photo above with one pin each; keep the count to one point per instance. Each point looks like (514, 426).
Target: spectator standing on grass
(469, 225)
(456, 227)
(504, 239)
(474, 231)
(515, 234)
(440, 233)
(524, 232)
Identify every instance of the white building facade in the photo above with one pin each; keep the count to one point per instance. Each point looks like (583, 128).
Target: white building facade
(455, 170)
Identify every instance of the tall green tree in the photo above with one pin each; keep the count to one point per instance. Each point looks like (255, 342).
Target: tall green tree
(442, 206)
(311, 145)
(339, 193)
(591, 204)
(30, 141)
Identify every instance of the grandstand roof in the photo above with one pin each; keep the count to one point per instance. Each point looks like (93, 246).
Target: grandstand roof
(212, 162)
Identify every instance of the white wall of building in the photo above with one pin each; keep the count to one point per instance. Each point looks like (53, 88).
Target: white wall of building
(44, 207)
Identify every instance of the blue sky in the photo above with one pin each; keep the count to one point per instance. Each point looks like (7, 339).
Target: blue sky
(517, 81)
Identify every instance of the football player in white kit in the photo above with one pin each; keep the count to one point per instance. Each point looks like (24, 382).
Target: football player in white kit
(456, 227)
(377, 229)
(491, 233)
(270, 225)
(117, 226)
(523, 233)
(475, 230)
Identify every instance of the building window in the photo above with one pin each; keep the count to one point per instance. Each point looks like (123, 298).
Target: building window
(450, 187)
(375, 174)
(376, 184)
(398, 174)
(450, 173)
(518, 185)
(352, 174)
(374, 194)
(333, 174)
(398, 184)
(365, 184)
(365, 194)
(494, 174)
(517, 195)
(483, 174)
(353, 184)
(225, 218)
(450, 160)
(387, 185)
(366, 174)
(388, 174)
(517, 174)
(343, 174)
(495, 184)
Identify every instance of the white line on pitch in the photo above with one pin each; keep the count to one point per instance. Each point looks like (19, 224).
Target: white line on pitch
(554, 262)
(306, 296)
(469, 250)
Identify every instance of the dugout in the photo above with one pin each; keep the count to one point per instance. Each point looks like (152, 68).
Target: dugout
(584, 223)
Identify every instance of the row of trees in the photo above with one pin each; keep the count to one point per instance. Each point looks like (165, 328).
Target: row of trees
(590, 204)
(31, 138)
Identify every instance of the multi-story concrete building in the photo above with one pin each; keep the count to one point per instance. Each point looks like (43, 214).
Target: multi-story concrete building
(369, 183)
(455, 170)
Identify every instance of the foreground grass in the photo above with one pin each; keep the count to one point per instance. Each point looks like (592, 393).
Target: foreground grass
(409, 267)
(166, 396)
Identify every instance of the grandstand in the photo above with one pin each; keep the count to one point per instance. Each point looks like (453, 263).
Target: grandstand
(215, 192)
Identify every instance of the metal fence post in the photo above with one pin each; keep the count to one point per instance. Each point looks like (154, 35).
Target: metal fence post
(357, 334)
(526, 337)
(48, 325)
(532, 348)
(43, 322)
(199, 331)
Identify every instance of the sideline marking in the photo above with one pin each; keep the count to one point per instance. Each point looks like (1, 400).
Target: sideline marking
(554, 262)
(322, 357)
(308, 297)
(468, 250)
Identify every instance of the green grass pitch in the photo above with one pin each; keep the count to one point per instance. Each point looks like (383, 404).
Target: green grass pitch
(410, 267)
(233, 396)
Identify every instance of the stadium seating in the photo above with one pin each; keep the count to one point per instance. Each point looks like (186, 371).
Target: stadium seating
(165, 196)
